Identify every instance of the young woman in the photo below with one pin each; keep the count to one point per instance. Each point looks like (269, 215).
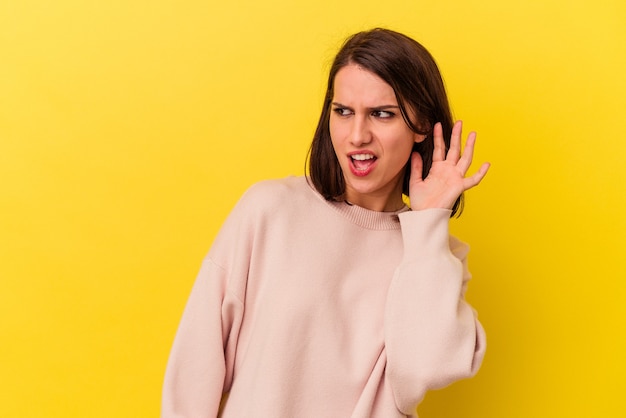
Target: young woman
(326, 296)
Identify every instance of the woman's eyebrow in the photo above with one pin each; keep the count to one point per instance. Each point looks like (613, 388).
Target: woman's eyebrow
(382, 107)
(385, 107)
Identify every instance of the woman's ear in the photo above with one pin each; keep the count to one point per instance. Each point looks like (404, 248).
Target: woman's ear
(420, 138)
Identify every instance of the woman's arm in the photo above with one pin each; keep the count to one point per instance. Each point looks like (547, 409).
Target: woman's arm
(200, 366)
(432, 336)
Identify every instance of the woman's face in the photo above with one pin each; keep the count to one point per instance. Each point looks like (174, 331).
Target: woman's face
(372, 141)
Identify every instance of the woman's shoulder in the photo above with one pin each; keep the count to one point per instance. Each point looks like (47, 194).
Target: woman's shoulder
(286, 185)
(274, 193)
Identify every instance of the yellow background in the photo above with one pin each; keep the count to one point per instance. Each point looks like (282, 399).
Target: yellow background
(128, 129)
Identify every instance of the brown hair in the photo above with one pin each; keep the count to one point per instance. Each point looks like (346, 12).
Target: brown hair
(411, 71)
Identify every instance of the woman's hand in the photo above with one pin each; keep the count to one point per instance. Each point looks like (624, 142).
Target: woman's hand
(446, 179)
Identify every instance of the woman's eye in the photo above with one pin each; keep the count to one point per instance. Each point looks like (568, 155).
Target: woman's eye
(341, 111)
(382, 114)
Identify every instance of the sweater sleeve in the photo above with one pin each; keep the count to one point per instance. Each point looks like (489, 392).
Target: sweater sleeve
(432, 335)
(200, 367)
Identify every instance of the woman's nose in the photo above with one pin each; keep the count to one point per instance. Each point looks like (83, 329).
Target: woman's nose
(360, 133)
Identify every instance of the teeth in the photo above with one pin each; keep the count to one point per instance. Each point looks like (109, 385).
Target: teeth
(362, 157)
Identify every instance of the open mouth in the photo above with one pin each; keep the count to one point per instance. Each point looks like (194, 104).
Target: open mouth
(362, 162)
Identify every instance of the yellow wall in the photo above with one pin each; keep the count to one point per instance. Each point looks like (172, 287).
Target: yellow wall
(128, 129)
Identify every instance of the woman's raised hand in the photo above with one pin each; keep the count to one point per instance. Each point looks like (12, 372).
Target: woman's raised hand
(446, 179)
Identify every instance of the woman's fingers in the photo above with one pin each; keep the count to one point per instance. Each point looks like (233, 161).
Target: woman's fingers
(454, 156)
(446, 178)
(455, 142)
(465, 161)
(439, 149)
(477, 177)
(416, 167)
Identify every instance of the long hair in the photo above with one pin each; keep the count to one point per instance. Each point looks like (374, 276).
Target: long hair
(411, 71)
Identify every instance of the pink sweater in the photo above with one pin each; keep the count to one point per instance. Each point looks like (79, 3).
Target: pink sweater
(310, 308)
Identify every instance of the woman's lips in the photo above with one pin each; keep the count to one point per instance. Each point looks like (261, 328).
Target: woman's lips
(362, 163)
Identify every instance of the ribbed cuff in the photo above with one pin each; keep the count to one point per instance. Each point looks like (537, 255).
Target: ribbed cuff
(425, 232)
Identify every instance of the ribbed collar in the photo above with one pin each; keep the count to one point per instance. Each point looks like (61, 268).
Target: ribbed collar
(369, 219)
(365, 218)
